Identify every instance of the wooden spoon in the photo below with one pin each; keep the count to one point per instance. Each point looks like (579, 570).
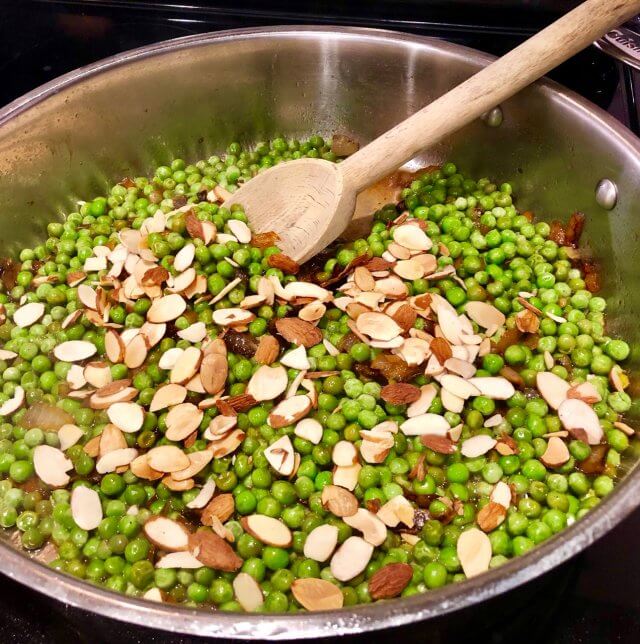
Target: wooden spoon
(309, 202)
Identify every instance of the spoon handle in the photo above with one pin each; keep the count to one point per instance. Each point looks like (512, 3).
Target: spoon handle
(486, 89)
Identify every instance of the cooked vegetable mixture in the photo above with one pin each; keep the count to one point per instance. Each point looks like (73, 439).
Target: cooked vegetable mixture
(191, 417)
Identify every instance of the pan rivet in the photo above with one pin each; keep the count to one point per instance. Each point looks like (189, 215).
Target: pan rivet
(606, 194)
(494, 117)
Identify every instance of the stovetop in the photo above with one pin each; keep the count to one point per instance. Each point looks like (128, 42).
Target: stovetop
(593, 599)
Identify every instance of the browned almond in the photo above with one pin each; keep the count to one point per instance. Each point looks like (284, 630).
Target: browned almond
(242, 402)
(284, 263)
(317, 594)
(400, 393)
(440, 444)
(298, 331)
(527, 305)
(155, 276)
(213, 551)
(491, 516)
(75, 277)
(423, 301)
(441, 349)
(92, 447)
(527, 321)
(268, 350)
(339, 501)
(264, 240)
(405, 317)
(213, 372)
(194, 225)
(225, 408)
(221, 506)
(113, 388)
(378, 264)
(390, 580)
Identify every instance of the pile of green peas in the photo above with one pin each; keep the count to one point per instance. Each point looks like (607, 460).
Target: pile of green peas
(498, 253)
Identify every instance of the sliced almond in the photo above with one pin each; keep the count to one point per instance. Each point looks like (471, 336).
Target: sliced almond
(459, 386)
(267, 383)
(474, 552)
(477, 445)
(87, 296)
(139, 466)
(363, 279)
(181, 421)
(166, 534)
(296, 359)
(222, 507)
(339, 501)
(111, 439)
(494, 387)
(86, 508)
(69, 435)
(501, 494)
(425, 424)
(74, 350)
(397, 510)
(246, 589)
(317, 594)
(166, 308)
(98, 374)
(226, 445)
(280, 455)
(115, 459)
(167, 396)
(239, 230)
(485, 315)
(75, 377)
(197, 462)
(232, 317)
(344, 453)
(321, 542)
(305, 290)
(127, 416)
(351, 558)
(268, 350)
(420, 406)
(135, 353)
(114, 346)
(196, 332)
(299, 332)
(219, 426)
(374, 531)
(623, 427)
(204, 496)
(552, 388)
(289, 411)
(491, 516)
(268, 530)
(28, 314)
(576, 414)
(51, 465)
(213, 551)
(186, 366)
(184, 258)
(309, 429)
(412, 237)
(462, 368)
(378, 326)
(409, 269)
(586, 392)
(167, 458)
(179, 560)
(556, 454)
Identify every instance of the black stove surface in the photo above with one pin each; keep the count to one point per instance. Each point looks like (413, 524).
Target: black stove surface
(593, 599)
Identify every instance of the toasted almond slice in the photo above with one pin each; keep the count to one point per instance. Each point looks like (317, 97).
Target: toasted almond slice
(306, 289)
(196, 332)
(28, 314)
(167, 396)
(86, 508)
(88, 296)
(166, 308)
(197, 462)
(309, 429)
(226, 445)
(298, 331)
(179, 560)
(485, 315)
(317, 594)
(414, 351)
(420, 406)
(451, 402)
(363, 279)
(266, 290)
(178, 486)
(556, 454)
(186, 366)
(494, 421)
(378, 326)
(375, 451)
(127, 416)
(114, 346)
(232, 317)
(501, 494)
(182, 281)
(409, 269)
(267, 383)
(246, 589)
(374, 531)
(339, 501)
(331, 350)
(398, 252)
(117, 458)
(98, 401)
(135, 353)
(474, 552)
(75, 377)
(268, 530)
(552, 388)
(344, 454)
(586, 392)
(623, 427)
(74, 350)
(167, 458)
(289, 411)
(227, 289)
(251, 301)
(460, 367)
(412, 237)
(184, 258)
(455, 433)
(280, 455)
(219, 426)
(166, 534)
(139, 466)
(98, 374)
(494, 387)
(296, 359)
(425, 424)
(169, 358)
(204, 496)
(347, 477)
(239, 230)
(69, 435)
(351, 558)
(576, 414)
(397, 510)
(477, 445)
(459, 386)
(51, 465)
(321, 542)
(182, 420)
